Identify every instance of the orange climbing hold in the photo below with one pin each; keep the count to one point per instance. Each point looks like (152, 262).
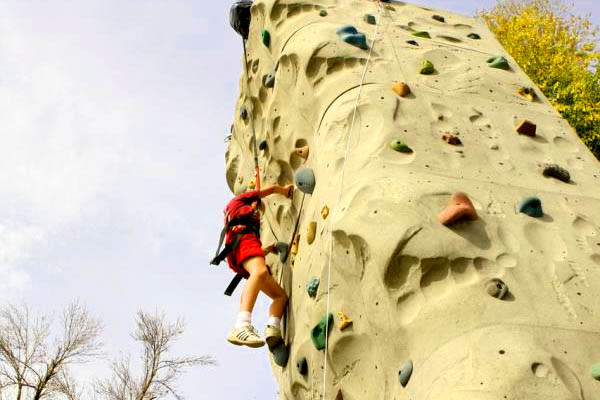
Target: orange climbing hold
(459, 207)
(325, 212)
(401, 89)
(302, 152)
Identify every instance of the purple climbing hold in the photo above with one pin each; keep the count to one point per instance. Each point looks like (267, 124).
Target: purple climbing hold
(555, 171)
(350, 35)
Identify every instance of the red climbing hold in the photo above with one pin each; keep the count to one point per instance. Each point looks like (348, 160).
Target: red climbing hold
(459, 207)
(451, 139)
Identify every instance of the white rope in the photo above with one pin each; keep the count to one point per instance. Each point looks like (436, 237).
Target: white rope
(339, 197)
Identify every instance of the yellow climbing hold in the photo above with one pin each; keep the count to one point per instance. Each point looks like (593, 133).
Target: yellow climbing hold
(295, 243)
(344, 320)
(302, 152)
(401, 89)
(527, 92)
(325, 212)
(311, 232)
(252, 185)
(240, 179)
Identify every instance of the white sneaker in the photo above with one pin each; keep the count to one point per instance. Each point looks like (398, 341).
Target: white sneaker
(245, 336)
(273, 337)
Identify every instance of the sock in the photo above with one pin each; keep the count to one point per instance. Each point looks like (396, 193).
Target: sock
(274, 322)
(244, 318)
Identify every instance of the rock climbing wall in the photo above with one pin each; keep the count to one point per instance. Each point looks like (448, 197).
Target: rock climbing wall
(462, 211)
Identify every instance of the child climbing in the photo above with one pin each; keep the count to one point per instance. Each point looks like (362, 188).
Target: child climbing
(246, 258)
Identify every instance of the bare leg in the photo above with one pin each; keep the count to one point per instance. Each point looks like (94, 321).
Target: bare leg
(261, 280)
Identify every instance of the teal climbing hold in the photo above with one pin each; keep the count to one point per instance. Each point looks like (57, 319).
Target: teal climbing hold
(282, 249)
(531, 206)
(405, 373)
(269, 80)
(473, 36)
(312, 286)
(280, 355)
(302, 366)
(422, 34)
(320, 331)
(426, 68)
(596, 372)
(370, 19)
(305, 180)
(499, 62)
(400, 146)
(350, 35)
(266, 37)
(438, 18)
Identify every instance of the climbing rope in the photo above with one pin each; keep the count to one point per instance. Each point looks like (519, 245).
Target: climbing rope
(257, 170)
(339, 197)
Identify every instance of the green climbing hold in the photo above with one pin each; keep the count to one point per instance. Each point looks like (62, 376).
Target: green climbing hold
(405, 373)
(473, 36)
(302, 366)
(399, 146)
(596, 372)
(320, 331)
(266, 37)
(499, 62)
(531, 206)
(280, 355)
(370, 19)
(426, 68)
(422, 34)
(312, 286)
(438, 18)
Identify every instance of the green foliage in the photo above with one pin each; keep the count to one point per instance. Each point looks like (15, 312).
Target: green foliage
(556, 49)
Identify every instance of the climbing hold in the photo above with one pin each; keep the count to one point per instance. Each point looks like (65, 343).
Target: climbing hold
(401, 89)
(555, 171)
(282, 249)
(527, 92)
(344, 320)
(243, 113)
(312, 286)
(339, 395)
(499, 62)
(531, 206)
(405, 373)
(266, 37)
(302, 366)
(302, 152)
(320, 331)
(459, 207)
(323, 13)
(473, 36)
(400, 147)
(251, 185)
(325, 212)
(496, 288)
(263, 145)
(311, 232)
(239, 17)
(280, 355)
(370, 19)
(413, 42)
(426, 68)
(438, 18)
(269, 80)
(422, 34)
(451, 139)
(295, 244)
(305, 180)
(596, 372)
(526, 127)
(240, 179)
(350, 35)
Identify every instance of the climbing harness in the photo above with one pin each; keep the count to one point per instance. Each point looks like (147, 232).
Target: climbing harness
(349, 137)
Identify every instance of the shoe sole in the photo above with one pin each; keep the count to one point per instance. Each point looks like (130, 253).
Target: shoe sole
(240, 343)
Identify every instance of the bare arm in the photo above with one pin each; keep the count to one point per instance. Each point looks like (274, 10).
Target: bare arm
(282, 190)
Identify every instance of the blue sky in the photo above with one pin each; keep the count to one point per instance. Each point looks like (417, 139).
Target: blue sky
(112, 182)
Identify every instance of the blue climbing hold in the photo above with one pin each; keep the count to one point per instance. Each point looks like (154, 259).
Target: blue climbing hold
(282, 249)
(305, 180)
(350, 35)
(370, 19)
(312, 286)
(531, 206)
(280, 355)
(405, 373)
(320, 331)
(269, 80)
(266, 37)
(499, 62)
(302, 366)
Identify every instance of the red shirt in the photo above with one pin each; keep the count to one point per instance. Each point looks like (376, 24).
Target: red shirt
(241, 205)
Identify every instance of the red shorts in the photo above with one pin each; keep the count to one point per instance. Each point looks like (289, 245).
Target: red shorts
(249, 246)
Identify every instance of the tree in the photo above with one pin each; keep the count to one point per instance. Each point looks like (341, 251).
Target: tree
(557, 51)
(159, 368)
(30, 367)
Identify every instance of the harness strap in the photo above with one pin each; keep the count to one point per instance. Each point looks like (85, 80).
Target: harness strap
(233, 284)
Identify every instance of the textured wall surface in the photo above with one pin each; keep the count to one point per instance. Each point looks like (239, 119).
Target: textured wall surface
(416, 290)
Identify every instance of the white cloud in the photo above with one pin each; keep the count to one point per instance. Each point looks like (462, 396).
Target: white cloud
(16, 246)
